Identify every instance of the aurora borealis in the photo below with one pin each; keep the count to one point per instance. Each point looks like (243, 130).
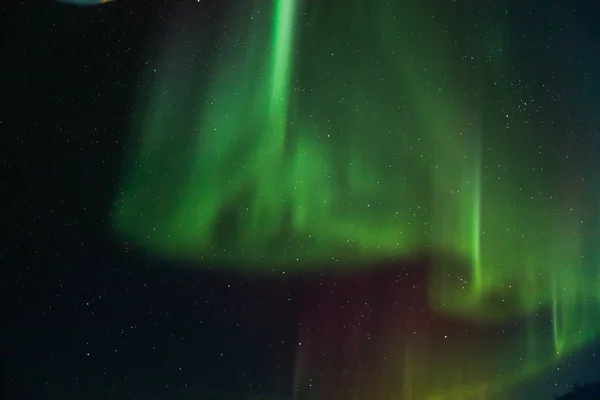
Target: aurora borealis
(331, 136)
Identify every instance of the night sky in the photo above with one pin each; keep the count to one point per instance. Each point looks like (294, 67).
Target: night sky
(92, 312)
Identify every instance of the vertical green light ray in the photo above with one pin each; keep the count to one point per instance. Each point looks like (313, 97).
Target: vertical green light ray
(476, 232)
(557, 318)
(270, 194)
(281, 55)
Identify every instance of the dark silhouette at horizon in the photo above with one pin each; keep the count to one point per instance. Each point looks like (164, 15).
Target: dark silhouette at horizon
(586, 392)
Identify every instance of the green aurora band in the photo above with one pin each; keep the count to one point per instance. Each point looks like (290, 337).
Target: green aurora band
(349, 133)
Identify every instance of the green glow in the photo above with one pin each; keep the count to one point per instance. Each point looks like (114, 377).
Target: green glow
(283, 43)
(346, 134)
(476, 233)
(557, 321)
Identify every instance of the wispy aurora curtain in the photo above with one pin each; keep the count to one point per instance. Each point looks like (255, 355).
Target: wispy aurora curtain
(330, 134)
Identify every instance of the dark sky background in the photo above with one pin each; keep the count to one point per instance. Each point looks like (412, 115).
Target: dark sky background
(84, 316)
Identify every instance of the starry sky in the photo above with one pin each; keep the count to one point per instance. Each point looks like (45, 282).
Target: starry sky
(92, 311)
